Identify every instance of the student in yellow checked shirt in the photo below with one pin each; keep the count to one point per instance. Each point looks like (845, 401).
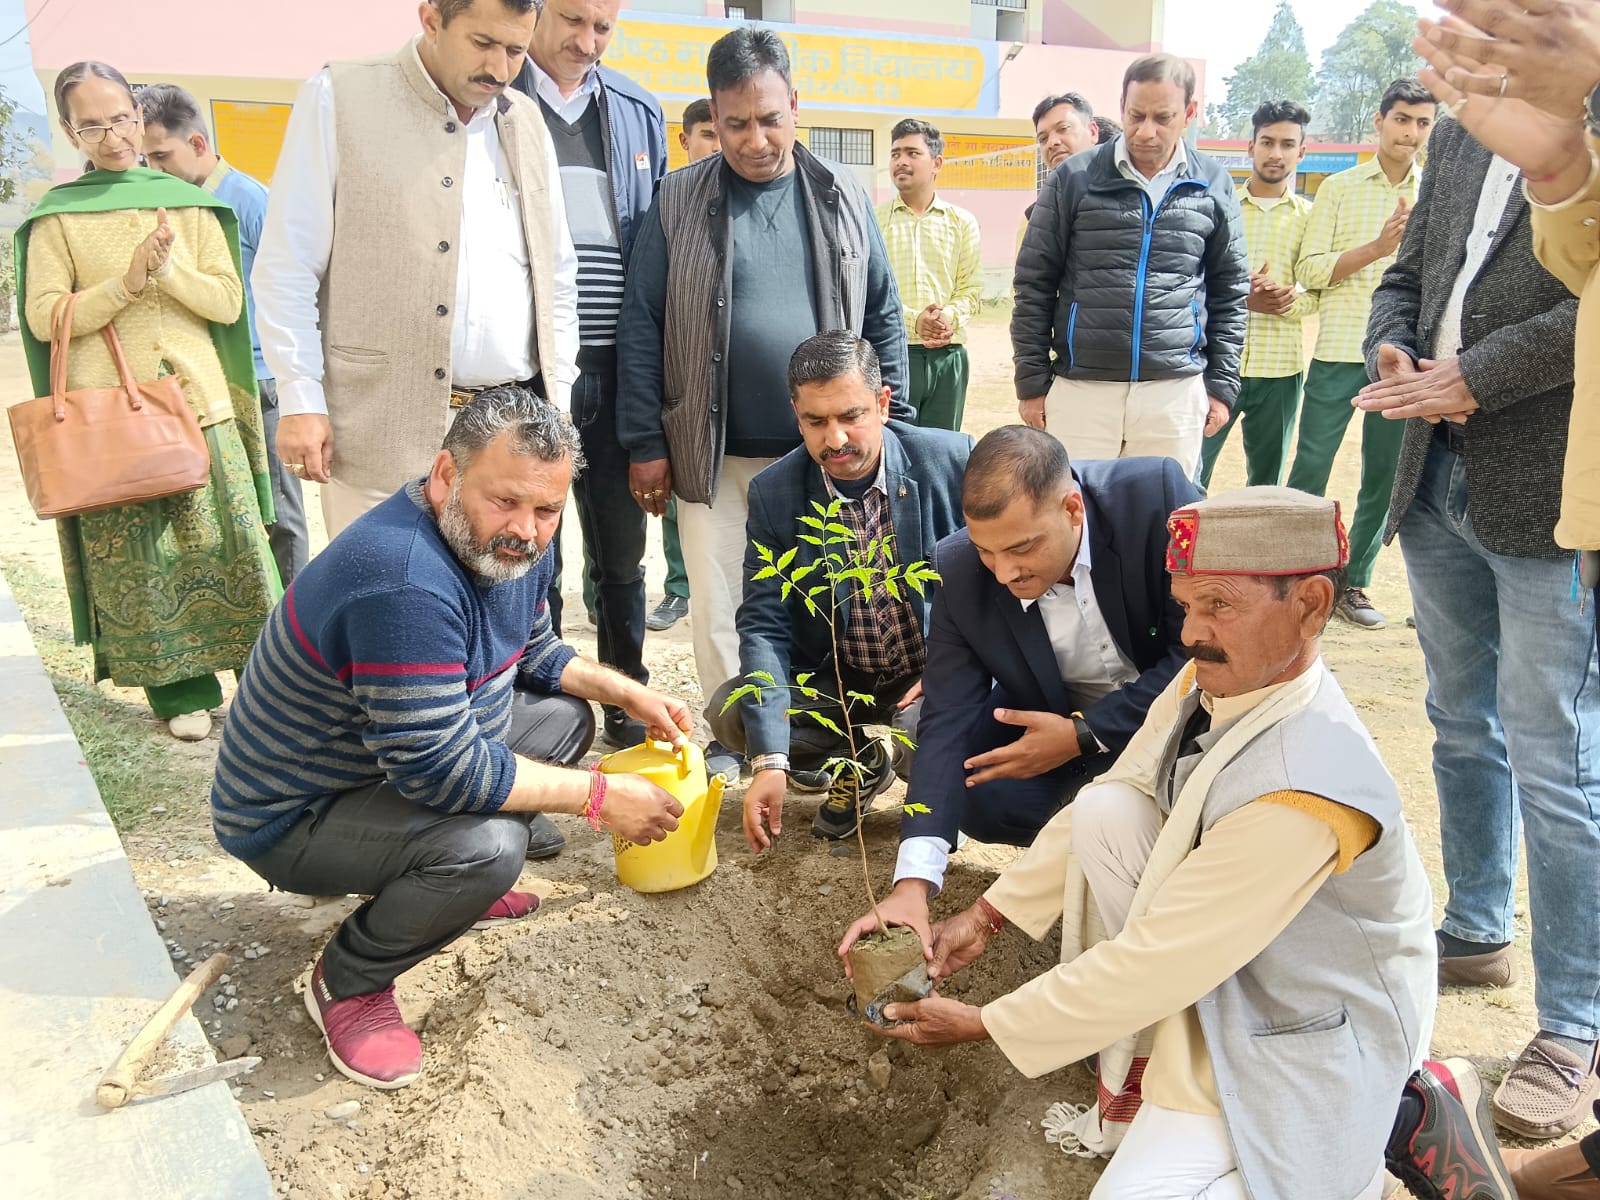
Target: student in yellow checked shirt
(1275, 217)
(933, 251)
(1355, 229)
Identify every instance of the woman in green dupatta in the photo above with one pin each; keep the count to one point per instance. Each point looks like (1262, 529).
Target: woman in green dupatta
(171, 591)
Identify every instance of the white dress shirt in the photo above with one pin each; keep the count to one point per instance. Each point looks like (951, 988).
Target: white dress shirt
(568, 108)
(492, 334)
(1092, 666)
(1156, 186)
(1498, 186)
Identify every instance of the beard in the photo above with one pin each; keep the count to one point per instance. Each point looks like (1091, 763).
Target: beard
(480, 557)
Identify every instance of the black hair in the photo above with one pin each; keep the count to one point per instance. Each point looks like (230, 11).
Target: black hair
(172, 108)
(834, 354)
(1404, 91)
(1275, 112)
(698, 113)
(912, 127)
(449, 10)
(743, 54)
(1013, 461)
(1085, 110)
(72, 76)
(1110, 130)
(1160, 68)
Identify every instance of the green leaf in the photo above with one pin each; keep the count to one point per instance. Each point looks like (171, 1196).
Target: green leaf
(833, 508)
(915, 810)
(762, 552)
(842, 530)
(739, 693)
(800, 575)
(809, 522)
(821, 512)
(811, 606)
(809, 540)
(763, 676)
(863, 698)
(892, 588)
(826, 722)
(767, 572)
(901, 736)
(810, 693)
(821, 587)
(916, 584)
(787, 557)
(805, 677)
(783, 592)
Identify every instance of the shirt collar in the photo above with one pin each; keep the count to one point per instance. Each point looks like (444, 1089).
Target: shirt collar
(1246, 196)
(878, 484)
(1081, 566)
(479, 114)
(1373, 167)
(218, 173)
(936, 203)
(1180, 158)
(550, 93)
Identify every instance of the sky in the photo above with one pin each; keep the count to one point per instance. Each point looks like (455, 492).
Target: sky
(1193, 29)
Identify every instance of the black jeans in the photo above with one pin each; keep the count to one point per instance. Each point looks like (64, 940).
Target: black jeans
(291, 545)
(430, 874)
(613, 524)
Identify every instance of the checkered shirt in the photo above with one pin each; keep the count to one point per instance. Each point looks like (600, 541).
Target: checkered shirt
(1274, 347)
(881, 637)
(1350, 211)
(935, 260)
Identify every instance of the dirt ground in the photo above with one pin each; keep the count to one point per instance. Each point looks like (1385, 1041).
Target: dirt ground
(692, 1044)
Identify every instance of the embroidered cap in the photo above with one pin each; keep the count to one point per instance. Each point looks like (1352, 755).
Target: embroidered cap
(1257, 531)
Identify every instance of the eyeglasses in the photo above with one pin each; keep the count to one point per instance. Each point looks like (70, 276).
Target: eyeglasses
(93, 135)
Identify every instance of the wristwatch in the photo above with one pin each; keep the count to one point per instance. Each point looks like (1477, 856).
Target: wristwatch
(1087, 742)
(1591, 111)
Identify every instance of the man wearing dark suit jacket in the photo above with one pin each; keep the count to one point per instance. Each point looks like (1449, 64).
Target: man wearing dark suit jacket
(1471, 342)
(1052, 631)
(895, 481)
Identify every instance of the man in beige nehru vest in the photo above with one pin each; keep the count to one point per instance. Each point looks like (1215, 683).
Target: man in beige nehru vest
(1263, 924)
(415, 253)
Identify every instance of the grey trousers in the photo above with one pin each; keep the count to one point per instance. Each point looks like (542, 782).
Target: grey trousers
(429, 874)
(291, 544)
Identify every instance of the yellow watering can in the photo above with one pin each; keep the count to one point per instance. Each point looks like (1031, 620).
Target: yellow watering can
(689, 852)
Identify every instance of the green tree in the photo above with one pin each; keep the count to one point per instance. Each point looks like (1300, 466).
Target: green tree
(14, 149)
(1371, 53)
(1280, 69)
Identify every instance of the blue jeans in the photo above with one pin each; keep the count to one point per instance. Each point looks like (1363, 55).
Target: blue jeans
(1514, 697)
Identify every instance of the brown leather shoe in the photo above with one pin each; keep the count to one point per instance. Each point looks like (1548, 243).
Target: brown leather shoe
(1546, 1092)
(1496, 969)
(1560, 1173)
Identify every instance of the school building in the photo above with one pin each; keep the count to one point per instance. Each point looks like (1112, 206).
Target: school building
(975, 68)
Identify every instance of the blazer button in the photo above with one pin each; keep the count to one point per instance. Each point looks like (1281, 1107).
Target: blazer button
(717, 357)
(721, 302)
(447, 181)
(449, 126)
(444, 247)
(442, 310)
(438, 372)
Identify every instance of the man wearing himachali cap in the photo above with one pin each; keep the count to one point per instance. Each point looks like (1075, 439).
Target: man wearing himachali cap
(1258, 920)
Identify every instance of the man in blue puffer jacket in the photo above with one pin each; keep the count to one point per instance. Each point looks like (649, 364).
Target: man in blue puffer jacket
(1131, 286)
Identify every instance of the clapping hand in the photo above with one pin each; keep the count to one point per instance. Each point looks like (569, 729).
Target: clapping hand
(149, 256)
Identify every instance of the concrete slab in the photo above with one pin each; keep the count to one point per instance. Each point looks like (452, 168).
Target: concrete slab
(81, 969)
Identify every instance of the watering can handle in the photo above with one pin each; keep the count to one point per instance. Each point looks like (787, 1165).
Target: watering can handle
(679, 750)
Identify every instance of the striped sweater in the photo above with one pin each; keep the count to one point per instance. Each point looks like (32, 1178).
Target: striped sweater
(386, 660)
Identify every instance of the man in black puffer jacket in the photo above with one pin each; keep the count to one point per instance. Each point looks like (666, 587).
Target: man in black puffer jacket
(1133, 279)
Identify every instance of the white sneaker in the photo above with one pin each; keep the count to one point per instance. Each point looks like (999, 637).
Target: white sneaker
(191, 727)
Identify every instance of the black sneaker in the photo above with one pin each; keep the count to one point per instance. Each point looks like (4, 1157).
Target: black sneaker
(544, 839)
(720, 760)
(849, 797)
(1354, 607)
(668, 613)
(811, 782)
(620, 730)
(1450, 1153)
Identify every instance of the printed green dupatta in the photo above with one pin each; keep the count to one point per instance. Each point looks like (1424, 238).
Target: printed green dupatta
(204, 610)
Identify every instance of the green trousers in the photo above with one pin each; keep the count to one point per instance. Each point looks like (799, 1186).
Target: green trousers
(1267, 407)
(1326, 413)
(200, 694)
(938, 385)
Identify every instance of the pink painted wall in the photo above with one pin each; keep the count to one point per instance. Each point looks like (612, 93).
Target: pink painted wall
(1040, 71)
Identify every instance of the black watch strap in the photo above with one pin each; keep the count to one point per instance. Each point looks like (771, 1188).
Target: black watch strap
(1591, 111)
(1087, 742)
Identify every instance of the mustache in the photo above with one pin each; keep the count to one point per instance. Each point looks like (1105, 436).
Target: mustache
(506, 541)
(842, 452)
(488, 81)
(1206, 652)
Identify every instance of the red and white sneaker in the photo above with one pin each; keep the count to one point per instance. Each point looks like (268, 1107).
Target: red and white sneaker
(513, 906)
(366, 1038)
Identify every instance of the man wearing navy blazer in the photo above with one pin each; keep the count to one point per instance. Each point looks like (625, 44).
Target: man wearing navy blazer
(896, 481)
(1053, 630)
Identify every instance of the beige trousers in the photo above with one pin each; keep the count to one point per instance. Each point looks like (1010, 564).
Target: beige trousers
(1163, 418)
(342, 503)
(713, 539)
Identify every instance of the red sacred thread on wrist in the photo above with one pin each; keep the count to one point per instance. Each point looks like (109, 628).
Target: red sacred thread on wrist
(597, 797)
(993, 915)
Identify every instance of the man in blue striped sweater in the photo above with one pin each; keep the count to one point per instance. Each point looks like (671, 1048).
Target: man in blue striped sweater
(398, 726)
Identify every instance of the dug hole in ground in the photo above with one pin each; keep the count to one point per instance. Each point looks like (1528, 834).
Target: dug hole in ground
(685, 1045)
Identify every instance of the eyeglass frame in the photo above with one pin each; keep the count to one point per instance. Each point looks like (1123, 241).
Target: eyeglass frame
(79, 132)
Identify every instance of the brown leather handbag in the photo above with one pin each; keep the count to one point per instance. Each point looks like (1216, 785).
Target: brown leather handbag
(100, 447)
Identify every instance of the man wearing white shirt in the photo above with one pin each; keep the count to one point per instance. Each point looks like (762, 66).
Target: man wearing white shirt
(611, 143)
(415, 252)
(1051, 632)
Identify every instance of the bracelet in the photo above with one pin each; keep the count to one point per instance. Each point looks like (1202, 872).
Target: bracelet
(597, 797)
(993, 915)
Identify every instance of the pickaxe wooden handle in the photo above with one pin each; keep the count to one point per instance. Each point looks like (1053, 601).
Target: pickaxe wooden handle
(117, 1084)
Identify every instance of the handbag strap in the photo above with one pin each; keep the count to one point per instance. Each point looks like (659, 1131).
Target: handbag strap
(61, 339)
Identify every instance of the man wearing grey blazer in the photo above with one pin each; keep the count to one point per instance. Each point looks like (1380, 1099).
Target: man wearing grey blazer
(1470, 342)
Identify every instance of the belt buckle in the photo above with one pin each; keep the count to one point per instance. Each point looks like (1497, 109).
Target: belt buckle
(460, 399)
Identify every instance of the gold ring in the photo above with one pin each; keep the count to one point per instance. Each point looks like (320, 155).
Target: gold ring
(1504, 79)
